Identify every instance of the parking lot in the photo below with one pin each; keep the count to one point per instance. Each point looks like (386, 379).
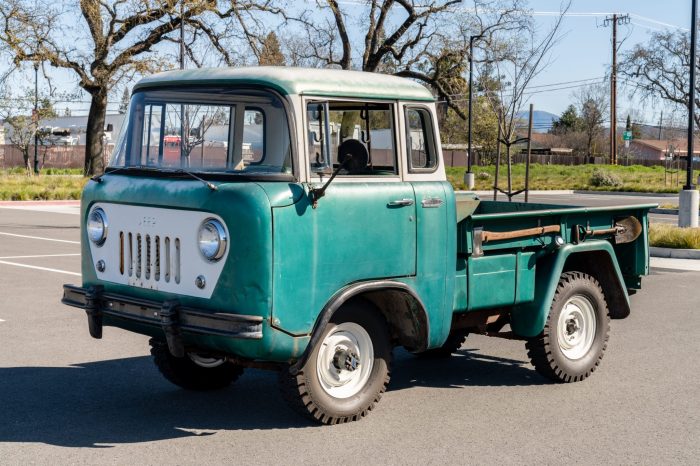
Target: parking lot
(67, 398)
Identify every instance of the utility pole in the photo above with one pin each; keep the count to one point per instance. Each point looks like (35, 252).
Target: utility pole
(614, 20)
(661, 123)
(469, 176)
(689, 199)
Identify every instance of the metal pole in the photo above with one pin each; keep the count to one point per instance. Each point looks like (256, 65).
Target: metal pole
(498, 158)
(689, 198)
(613, 95)
(691, 103)
(469, 176)
(36, 116)
(182, 35)
(529, 147)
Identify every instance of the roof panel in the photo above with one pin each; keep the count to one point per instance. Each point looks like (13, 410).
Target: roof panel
(289, 80)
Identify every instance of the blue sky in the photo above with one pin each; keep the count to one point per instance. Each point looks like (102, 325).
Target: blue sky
(584, 51)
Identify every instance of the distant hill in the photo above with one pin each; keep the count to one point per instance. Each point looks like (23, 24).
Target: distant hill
(541, 120)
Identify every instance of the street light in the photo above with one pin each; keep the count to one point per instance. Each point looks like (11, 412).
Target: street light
(36, 117)
(689, 197)
(469, 176)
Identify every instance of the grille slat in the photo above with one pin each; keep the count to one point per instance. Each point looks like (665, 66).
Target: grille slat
(149, 258)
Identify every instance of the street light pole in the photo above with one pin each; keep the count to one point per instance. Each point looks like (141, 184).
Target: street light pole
(469, 176)
(36, 118)
(688, 199)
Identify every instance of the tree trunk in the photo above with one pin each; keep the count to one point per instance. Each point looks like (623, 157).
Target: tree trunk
(94, 160)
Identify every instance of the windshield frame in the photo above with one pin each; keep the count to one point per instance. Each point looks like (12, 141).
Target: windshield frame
(127, 136)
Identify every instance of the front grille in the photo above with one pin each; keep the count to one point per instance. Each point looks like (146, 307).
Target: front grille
(144, 257)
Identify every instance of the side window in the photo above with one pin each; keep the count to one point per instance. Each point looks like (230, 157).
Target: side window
(365, 130)
(420, 140)
(253, 135)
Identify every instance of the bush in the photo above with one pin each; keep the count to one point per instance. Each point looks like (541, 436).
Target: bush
(604, 178)
(483, 176)
(670, 236)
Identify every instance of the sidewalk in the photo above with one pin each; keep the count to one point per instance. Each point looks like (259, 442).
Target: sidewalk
(688, 265)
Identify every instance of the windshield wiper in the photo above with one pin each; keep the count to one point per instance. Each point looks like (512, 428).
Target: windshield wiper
(212, 186)
(208, 184)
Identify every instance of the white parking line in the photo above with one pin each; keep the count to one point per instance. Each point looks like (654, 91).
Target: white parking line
(46, 269)
(39, 237)
(39, 256)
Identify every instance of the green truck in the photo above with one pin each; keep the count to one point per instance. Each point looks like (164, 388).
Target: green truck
(300, 220)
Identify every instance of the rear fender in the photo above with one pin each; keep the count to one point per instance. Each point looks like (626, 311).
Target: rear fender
(596, 257)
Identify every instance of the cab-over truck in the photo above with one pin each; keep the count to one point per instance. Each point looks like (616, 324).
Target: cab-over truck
(305, 224)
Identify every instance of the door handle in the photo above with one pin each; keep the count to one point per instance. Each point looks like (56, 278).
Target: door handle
(400, 203)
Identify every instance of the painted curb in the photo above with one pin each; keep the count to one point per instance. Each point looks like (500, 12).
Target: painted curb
(675, 253)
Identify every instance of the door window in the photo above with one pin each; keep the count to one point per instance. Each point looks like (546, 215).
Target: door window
(363, 129)
(420, 140)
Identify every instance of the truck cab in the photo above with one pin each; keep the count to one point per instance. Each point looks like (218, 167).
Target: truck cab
(300, 220)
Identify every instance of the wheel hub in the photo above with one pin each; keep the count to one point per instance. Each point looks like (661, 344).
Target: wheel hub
(576, 327)
(345, 360)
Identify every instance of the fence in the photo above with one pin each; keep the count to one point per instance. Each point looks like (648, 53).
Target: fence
(49, 156)
(458, 158)
(74, 157)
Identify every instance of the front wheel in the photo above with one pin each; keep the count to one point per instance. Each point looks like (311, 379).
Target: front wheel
(194, 371)
(348, 370)
(575, 335)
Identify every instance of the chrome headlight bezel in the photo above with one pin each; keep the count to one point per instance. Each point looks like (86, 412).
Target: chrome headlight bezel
(212, 251)
(97, 226)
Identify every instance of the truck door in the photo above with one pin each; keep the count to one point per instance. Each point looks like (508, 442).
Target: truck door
(368, 213)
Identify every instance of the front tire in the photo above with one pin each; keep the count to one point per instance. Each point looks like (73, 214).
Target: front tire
(575, 335)
(348, 370)
(194, 371)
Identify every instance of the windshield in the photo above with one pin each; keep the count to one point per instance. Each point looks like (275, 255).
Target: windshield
(205, 130)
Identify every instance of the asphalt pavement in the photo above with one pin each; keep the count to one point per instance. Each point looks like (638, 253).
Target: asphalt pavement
(66, 398)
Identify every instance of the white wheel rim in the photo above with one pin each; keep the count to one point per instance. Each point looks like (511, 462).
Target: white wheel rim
(346, 345)
(206, 362)
(576, 327)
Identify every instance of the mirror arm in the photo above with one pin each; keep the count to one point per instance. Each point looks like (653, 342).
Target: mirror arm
(318, 193)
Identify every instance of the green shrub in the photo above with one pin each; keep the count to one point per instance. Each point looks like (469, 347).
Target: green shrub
(483, 176)
(601, 178)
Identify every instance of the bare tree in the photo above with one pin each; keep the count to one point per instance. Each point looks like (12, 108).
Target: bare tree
(592, 102)
(23, 127)
(659, 70)
(115, 40)
(429, 41)
(517, 63)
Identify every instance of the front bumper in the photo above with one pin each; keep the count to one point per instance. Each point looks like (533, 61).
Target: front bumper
(168, 315)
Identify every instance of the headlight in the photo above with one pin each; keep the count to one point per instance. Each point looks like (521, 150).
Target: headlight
(212, 239)
(97, 226)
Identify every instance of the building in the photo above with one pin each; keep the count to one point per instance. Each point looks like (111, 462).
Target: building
(661, 149)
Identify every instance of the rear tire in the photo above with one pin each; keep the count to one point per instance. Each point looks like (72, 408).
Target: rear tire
(348, 370)
(204, 374)
(575, 335)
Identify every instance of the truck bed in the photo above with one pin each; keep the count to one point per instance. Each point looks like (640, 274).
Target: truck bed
(499, 270)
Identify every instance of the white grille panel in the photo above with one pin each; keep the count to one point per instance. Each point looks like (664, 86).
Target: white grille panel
(155, 248)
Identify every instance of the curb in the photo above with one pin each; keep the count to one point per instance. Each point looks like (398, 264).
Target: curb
(625, 193)
(31, 203)
(664, 211)
(675, 253)
(534, 193)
